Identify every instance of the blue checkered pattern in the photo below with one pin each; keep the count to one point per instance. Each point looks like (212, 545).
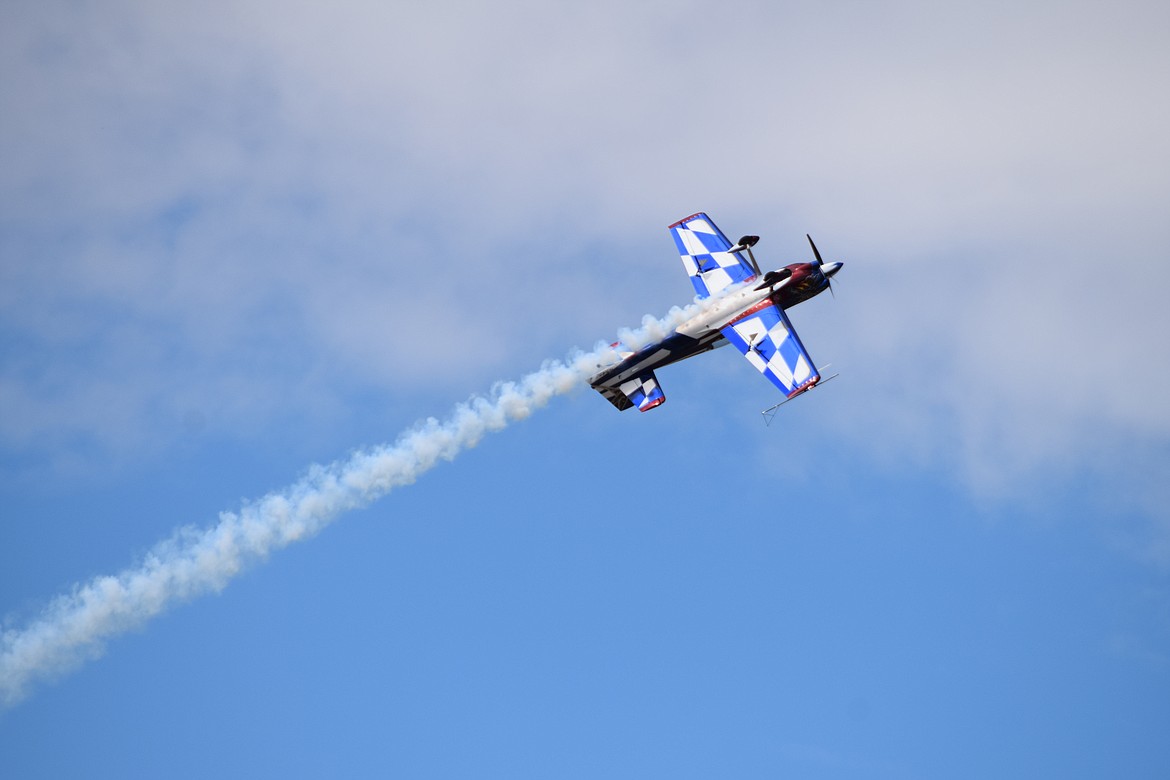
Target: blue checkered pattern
(766, 338)
(644, 391)
(703, 249)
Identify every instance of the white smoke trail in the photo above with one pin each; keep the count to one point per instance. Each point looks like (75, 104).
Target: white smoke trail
(75, 626)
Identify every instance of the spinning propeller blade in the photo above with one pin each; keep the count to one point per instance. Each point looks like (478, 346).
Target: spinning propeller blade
(817, 254)
(820, 263)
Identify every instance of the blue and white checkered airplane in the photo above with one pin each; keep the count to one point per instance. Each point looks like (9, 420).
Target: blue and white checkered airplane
(745, 308)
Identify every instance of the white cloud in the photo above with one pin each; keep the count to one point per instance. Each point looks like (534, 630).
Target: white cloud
(260, 194)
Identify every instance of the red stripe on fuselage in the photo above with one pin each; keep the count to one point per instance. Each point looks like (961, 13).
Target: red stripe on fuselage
(749, 312)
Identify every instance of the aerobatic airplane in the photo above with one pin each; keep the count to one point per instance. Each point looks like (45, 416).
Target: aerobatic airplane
(746, 308)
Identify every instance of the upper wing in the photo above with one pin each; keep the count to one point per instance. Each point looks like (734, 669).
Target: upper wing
(703, 249)
(766, 338)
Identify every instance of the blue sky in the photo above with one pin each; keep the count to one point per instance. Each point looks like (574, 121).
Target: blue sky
(238, 241)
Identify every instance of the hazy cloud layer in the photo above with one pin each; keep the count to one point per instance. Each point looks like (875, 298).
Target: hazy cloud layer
(238, 209)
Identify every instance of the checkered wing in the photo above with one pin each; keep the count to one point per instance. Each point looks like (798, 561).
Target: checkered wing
(766, 338)
(703, 249)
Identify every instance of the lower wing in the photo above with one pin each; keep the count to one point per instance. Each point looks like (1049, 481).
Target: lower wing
(767, 339)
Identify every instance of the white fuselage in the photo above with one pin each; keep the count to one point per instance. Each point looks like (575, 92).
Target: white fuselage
(728, 308)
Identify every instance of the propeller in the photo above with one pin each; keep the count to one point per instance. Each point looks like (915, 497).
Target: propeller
(814, 248)
(833, 267)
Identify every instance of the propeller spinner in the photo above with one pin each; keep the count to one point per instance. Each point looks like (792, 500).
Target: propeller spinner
(826, 269)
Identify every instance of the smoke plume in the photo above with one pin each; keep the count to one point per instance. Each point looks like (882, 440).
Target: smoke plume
(75, 626)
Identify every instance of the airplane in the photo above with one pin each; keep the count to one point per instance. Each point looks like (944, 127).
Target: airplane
(744, 308)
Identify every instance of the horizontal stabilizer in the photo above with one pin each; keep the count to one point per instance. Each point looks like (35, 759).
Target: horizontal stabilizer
(642, 391)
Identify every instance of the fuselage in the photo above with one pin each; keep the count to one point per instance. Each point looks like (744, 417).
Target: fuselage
(785, 288)
(807, 281)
